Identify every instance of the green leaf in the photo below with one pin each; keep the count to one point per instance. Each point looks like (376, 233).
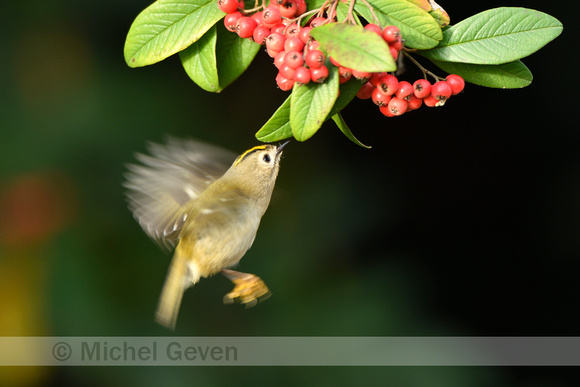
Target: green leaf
(167, 27)
(337, 118)
(278, 126)
(218, 58)
(511, 75)
(418, 28)
(353, 46)
(199, 61)
(234, 55)
(496, 36)
(311, 103)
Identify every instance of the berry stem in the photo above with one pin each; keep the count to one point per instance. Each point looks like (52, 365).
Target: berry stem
(321, 9)
(332, 12)
(423, 69)
(252, 10)
(349, 16)
(298, 20)
(370, 7)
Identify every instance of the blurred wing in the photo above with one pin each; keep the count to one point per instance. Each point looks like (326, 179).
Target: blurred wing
(174, 175)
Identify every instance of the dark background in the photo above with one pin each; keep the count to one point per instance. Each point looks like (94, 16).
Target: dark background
(460, 221)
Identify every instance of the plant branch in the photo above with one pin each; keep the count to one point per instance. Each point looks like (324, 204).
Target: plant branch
(423, 69)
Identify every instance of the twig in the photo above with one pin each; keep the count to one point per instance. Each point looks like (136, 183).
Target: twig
(423, 69)
(370, 7)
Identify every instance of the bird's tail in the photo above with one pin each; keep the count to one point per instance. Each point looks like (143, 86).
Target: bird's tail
(182, 274)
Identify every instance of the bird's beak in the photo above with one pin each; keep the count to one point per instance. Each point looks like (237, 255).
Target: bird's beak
(279, 150)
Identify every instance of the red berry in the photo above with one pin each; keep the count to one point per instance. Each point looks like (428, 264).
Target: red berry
(344, 74)
(314, 59)
(304, 34)
(394, 52)
(398, 45)
(375, 78)
(272, 53)
(283, 83)
(293, 59)
(271, 15)
(361, 75)
(260, 34)
(405, 89)
(380, 98)
(302, 75)
(317, 21)
(231, 20)
(257, 16)
(397, 106)
(441, 90)
(292, 31)
(245, 27)
(287, 71)
(432, 101)
(279, 59)
(288, 9)
(374, 28)
(300, 7)
(293, 44)
(388, 84)
(319, 75)
(413, 103)
(421, 88)
(456, 82)
(365, 91)
(278, 28)
(391, 34)
(275, 42)
(313, 45)
(227, 6)
(386, 111)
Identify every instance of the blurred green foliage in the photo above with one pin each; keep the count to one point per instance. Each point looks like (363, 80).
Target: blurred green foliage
(450, 225)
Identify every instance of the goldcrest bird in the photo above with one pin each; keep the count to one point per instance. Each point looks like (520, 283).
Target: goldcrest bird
(185, 197)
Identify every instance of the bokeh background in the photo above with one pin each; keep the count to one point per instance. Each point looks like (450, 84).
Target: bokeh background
(460, 221)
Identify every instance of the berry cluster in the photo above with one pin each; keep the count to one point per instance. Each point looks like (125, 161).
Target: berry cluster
(298, 59)
(394, 97)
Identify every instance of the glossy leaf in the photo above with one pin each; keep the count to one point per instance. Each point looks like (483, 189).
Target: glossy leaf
(354, 47)
(417, 27)
(423, 4)
(511, 75)
(311, 103)
(234, 55)
(278, 126)
(167, 27)
(199, 61)
(496, 36)
(337, 118)
(218, 58)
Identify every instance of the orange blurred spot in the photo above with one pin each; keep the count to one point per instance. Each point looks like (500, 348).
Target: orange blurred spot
(35, 207)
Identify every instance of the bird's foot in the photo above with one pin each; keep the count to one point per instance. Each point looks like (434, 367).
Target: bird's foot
(249, 288)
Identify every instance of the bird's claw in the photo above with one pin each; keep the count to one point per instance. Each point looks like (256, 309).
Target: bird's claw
(249, 289)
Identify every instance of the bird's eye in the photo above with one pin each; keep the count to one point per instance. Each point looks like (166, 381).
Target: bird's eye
(266, 158)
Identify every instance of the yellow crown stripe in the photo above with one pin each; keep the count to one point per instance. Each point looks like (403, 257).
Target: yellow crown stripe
(248, 152)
